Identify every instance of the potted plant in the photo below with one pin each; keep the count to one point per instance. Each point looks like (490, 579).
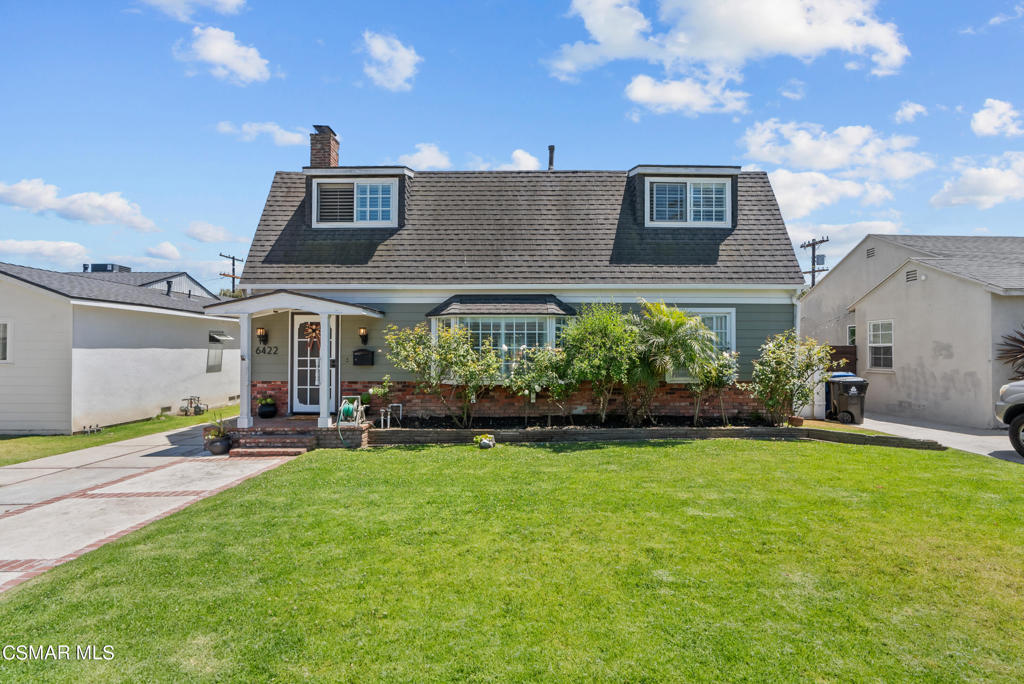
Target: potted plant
(266, 407)
(218, 442)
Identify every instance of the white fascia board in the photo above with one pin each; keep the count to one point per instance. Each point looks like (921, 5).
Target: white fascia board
(684, 170)
(361, 171)
(146, 309)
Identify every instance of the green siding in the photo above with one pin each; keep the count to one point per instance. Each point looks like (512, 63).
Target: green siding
(267, 367)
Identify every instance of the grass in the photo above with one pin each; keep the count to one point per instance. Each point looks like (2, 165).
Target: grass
(701, 561)
(839, 427)
(21, 448)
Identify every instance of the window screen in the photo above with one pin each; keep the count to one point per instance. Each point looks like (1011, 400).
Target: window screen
(668, 201)
(334, 202)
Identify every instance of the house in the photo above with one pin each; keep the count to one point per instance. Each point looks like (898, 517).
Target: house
(107, 345)
(340, 252)
(926, 313)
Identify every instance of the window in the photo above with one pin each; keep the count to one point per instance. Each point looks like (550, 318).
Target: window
(673, 202)
(720, 322)
(880, 344)
(851, 335)
(354, 203)
(6, 341)
(507, 335)
(215, 350)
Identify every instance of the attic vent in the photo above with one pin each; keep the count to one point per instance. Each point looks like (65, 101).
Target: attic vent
(869, 253)
(911, 275)
(334, 202)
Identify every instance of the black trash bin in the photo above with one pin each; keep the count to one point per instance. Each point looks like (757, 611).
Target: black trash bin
(846, 398)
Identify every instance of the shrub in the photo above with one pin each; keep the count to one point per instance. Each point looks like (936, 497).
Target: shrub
(787, 372)
(1011, 352)
(446, 366)
(600, 347)
(711, 378)
(383, 390)
(540, 372)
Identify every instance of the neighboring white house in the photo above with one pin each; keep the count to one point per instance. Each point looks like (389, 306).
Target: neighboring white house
(107, 346)
(927, 314)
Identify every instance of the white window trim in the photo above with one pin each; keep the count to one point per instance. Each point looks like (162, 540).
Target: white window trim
(10, 340)
(685, 379)
(393, 223)
(648, 223)
(891, 345)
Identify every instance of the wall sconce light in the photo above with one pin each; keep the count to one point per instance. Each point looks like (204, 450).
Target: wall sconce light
(363, 335)
(261, 335)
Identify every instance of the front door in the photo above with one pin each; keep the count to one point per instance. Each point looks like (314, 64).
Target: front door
(306, 363)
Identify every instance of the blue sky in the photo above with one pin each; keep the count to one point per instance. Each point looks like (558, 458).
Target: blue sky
(147, 132)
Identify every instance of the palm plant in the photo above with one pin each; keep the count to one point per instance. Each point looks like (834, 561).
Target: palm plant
(1011, 351)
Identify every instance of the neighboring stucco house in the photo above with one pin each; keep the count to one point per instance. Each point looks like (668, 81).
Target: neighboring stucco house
(107, 346)
(340, 252)
(926, 314)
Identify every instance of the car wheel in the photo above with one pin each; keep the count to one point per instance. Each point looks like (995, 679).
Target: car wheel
(1017, 434)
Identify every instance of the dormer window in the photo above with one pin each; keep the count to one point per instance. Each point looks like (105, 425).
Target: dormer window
(356, 202)
(687, 202)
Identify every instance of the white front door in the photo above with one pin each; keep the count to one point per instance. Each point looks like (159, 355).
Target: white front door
(306, 363)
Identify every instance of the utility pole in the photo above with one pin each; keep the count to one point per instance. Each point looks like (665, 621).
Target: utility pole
(234, 278)
(817, 265)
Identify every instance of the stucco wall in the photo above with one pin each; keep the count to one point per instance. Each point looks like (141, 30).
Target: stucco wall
(941, 349)
(128, 365)
(823, 309)
(35, 387)
(1007, 316)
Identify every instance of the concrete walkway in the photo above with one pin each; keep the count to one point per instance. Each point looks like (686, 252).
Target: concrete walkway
(56, 508)
(994, 443)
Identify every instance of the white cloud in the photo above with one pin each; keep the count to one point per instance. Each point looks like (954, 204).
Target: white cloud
(688, 96)
(60, 253)
(1003, 17)
(521, 161)
(801, 193)
(1002, 180)
(182, 10)
(90, 207)
(794, 89)
(996, 118)
(842, 236)
(392, 64)
(165, 250)
(227, 58)
(250, 130)
(201, 231)
(710, 41)
(856, 151)
(203, 270)
(909, 111)
(427, 156)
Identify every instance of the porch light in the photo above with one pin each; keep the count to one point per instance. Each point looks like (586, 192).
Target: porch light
(363, 335)
(261, 335)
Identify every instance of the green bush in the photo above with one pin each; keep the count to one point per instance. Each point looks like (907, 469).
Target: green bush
(541, 372)
(711, 378)
(787, 372)
(600, 347)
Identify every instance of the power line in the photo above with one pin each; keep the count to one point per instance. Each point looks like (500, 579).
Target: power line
(817, 265)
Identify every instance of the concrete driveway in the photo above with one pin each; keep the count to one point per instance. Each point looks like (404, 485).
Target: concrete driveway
(56, 508)
(994, 443)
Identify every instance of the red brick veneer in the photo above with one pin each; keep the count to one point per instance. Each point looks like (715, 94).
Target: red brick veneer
(275, 388)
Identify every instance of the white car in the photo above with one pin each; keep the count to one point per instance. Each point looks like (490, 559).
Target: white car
(1010, 410)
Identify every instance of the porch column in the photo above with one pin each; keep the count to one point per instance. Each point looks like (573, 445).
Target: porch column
(325, 371)
(245, 380)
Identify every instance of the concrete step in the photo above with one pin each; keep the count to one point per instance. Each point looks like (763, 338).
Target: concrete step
(256, 441)
(267, 451)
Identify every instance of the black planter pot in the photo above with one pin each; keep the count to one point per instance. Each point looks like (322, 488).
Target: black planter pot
(266, 410)
(219, 446)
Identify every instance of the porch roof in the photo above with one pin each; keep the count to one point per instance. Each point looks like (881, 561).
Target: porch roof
(290, 300)
(502, 304)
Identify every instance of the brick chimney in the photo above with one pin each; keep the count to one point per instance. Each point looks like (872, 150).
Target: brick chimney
(323, 147)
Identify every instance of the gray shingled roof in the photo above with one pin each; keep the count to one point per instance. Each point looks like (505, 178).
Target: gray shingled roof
(521, 227)
(995, 261)
(80, 286)
(492, 304)
(129, 277)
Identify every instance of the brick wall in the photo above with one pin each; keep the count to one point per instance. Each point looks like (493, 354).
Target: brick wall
(670, 400)
(275, 388)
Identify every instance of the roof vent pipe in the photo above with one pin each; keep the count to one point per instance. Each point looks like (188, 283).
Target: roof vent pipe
(551, 157)
(170, 283)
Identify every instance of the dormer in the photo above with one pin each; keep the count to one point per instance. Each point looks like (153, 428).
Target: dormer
(685, 196)
(351, 196)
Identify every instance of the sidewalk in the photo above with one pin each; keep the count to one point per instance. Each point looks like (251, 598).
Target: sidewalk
(994, 443)
(56, 508)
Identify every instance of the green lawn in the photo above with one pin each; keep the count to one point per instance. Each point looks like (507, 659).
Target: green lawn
(705, 561)
(20, 448)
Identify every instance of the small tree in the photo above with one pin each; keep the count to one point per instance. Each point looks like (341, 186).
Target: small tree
(1011, 352)
(447, 366)
(600, 346)
(540, 371)
(787, 372)
(712, 378)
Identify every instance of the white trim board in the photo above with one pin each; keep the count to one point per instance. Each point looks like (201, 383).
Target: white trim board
(686, 180)
(146, 309)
